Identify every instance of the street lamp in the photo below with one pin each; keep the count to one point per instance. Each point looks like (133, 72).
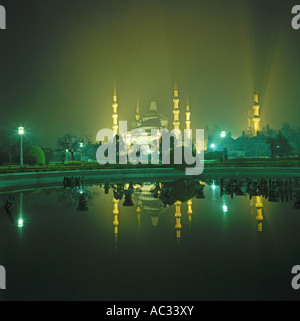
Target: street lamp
(67, 156)
(21, 133)
(81, 146)
(212, 146)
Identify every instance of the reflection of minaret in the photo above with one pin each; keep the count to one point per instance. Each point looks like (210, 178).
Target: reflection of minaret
(256, 115)
(138, 211)
(115, 111)
(178, 220)
(189, 211)
(176, 122)
(188, 119)
(116, 220)
(259, 212)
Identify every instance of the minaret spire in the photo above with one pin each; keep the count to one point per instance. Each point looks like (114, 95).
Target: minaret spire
(256, 114)
(188, 117)
(137, 112)
(176, 122)
(115, 115)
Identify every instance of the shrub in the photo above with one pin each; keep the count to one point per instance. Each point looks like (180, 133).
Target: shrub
(34, 155)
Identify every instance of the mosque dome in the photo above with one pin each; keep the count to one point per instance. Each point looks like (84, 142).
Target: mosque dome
(152, 119)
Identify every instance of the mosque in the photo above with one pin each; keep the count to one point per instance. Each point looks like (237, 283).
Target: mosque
(153, 119)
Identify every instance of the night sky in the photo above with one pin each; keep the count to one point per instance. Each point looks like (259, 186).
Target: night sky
(59, 59)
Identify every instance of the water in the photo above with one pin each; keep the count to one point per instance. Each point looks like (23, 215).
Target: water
(179, 240)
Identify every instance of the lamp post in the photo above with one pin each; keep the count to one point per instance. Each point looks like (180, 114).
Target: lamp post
(21, 133)
(67, 156)
(81, 146)
(223, 134)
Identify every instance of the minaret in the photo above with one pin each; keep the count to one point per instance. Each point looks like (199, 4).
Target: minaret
(256, 115)
(116, 220)
(259, 215)
(115, 112)
(137, 112)
(137, 115)
(176, 122)
(178, 220)
(189, 211)
(188, 118)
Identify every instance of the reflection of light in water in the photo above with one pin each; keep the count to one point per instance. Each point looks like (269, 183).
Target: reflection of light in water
(225, 208)
(20, 220)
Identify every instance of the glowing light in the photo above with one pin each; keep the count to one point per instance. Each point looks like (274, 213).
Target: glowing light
(21, 130)
(213, 187)
(20, 222)
(81, 145)
(223, 133)
(212, 145)
(225, 208)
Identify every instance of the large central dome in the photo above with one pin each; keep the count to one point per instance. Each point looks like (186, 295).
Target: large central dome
(152, 119)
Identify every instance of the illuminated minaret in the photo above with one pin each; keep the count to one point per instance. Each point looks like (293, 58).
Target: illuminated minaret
(178, 220)
(176, 122)
(189, 211)
(137, 112)
(115, 112)
(188, 118)
(259, 212)
(137, 115)
(116, 220)
(256, 115)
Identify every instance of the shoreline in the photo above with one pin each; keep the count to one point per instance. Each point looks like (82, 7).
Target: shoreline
(48, 178)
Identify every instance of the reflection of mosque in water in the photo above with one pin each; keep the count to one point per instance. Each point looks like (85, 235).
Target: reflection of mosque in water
(153, 199)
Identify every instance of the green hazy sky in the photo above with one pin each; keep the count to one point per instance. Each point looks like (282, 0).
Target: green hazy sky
(59, 59)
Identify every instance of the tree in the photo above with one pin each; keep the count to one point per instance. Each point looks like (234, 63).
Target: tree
(268, 131)
(34, 155)
(279, 145)
(74, 143)
(272, 142)
(283, 148)
(48, 154)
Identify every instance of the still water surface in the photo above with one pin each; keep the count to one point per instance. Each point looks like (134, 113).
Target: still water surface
(183, 240)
